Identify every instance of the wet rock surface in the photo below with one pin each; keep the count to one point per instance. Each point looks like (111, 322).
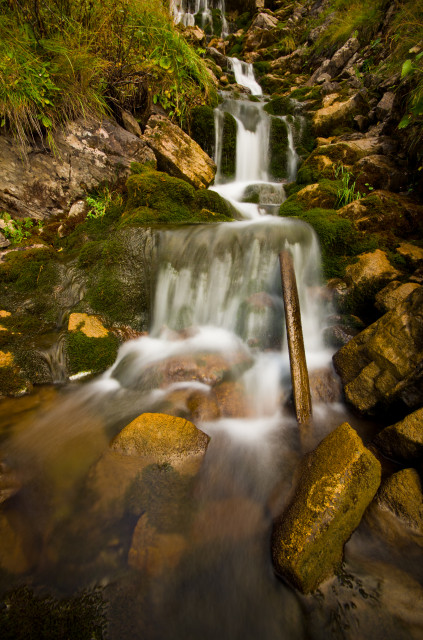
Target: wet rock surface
(337, 482)
(404, 439)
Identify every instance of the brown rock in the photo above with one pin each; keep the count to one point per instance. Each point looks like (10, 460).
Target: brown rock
(383, 364)
(411, 252)
(393, 294)
(403, 440)
(401, 495)
(325, 386)
(177, 153)
(328, 118)
(369, 268)
(231, 400)
(203, 406)
(154, 552)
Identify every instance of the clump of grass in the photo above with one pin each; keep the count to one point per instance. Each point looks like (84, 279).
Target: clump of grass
(346, 191)
(60, 60)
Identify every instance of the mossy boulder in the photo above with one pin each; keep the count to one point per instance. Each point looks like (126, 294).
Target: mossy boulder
(371, 267)
(228, 157)
(329, 118)
(404, 439)
(323, 194)
(386, 212)
(12, 380)
(393, 294)
(337, 482)
(89, 345)
(165, 439)
(278, 149)
(119, 284)
(154, 197)
(280, 106)
(202, 128)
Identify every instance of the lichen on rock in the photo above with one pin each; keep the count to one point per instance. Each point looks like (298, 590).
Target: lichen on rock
(337, 482)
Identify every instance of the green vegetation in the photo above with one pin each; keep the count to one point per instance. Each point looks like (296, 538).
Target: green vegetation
(228, 159)
(90, 354)
(339, 239)
(60, 60)
(346, 191)
(280, 106)
(31, 270)
(202, 128)
(17, 231)
(278, 148)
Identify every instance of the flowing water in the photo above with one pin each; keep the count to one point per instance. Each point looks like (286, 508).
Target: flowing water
(217, 306)
(188, 12)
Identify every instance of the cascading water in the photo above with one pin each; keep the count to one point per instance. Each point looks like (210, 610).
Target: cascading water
(217, 330)
(188, 12)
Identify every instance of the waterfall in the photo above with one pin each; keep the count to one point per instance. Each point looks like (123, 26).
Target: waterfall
(244, 75)
(190, 12)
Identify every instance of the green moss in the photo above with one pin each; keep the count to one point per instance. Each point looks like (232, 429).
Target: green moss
(261, 67)
(90, 354)
(23, 614)
(212, 201)
(202, 128)
(29, 270)
(12, 382)
(306, 93)
(338, 237)
(228, 159)
(278, 149)
(90, 254)
(280, 106)
(158, 190)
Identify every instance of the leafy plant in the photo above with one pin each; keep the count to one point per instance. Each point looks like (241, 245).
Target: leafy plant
(346, 192)
(19, 230)
(98, 203)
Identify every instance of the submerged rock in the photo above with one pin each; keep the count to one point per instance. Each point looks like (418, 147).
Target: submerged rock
(403, 440)
(166, 439)
(152, 551)
(383, 364)
(337, 482)
(177, 153)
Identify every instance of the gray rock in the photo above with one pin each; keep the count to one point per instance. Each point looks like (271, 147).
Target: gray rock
(130, 123)
(86, 153)
(385, 106)
(4, 242)
(264, 21)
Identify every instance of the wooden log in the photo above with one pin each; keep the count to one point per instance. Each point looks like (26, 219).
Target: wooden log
(299, 372)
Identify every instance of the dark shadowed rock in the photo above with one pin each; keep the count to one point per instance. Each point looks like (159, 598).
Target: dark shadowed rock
(383, 364)
(403, 440)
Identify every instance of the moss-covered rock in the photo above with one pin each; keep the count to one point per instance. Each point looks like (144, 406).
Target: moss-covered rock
(337, 482)
(12, 379)
(202, 128)
(155, 197)
(87, 354)
(403, 440)
(323, 194)
(280, 106)
(278, 149)
(228, 158)
(382, 365)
